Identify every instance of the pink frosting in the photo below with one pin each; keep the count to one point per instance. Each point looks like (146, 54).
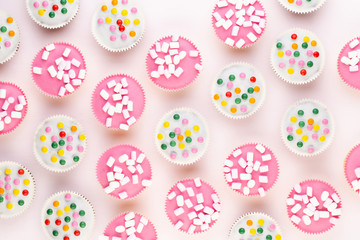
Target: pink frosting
(187, 64)
(14, 92)
(148, 232)
(352, 162)
(44, 81)
(102, 169)
(351, 78)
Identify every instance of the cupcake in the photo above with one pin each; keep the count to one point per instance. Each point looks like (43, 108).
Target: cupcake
(58, 69)
(192, 206)
(52, 14)
(302, 6)
(239, 24)
(13, 107)
(239, 91)
(313, 206)
(307, 128)
(182, 136)
(17, 189)
(67, 215)
(59, 143)
(297, 56)
(118, 102)
(251, 169)
(9, 37)
(352, 168)
(348, 63)
(118, 25)
(257, 226)
(173, 63)
(123, 171)
(129, 226)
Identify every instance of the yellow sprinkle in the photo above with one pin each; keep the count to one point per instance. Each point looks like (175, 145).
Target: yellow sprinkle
(108, 19)
(67, 209)
(188, 133)
(196, 128)
(61, 152)
(278, 237)
(252, 231)
(223, 103)
(53, 159)
(65, 228)
(322, 138)
(16, 192)
(299, 131)
(41, 12)
(261, 222)
(216, 97)
(136, 21)
(291, 71)
(114, 11)
(0, 39)
(316, 127)
(306, 39)
(124, 13)
(280, 53)
(233, 110)
(60, 125)
(293, 119)
(7, 171)
(127, 21)
(26, 182)
(9, 206)
(160, 136)
(305, 138)
(70, 1)
(181, 145)
(166, 124)
(313, 43)
(252, 100)
(82, 137)
(44, 149)
(42, 138)
(56, 203)
(59, 213)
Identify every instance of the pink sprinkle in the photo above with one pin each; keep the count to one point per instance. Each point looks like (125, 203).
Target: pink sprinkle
(45, 3)
(243, 109)
(229, 85)
(134, 10)
(185, 121)
(326, 131)
(36, 4)
(54, 138)
(17, 181)
(80, 148)
(7, 44)
(309, 127)
(124, 1)
(123, 36)
(1, 183)
(75, 215)
(281, 65)
(177, 130)
(309, 53)
(301, 63)
(194, 150)
(272, 227)
(112, 38)
(7, 179)
(288, 53)
(172, 155)
(69, 148)
(8, 197)
(112, 28)
(298, 2)
(242, 75)
(70, 138)
(325, 121)
(200, 139)
(48, 129)
(185, 154)
(315, 136)
(292, 61)
(310, 149)
(74, 224)
(100, 21)
(7, 186)
(67, 196)
(289, 129)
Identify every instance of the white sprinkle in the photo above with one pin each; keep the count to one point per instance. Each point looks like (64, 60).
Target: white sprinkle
(62, 91)
(354, 43)
(75, 62)
(216, 16)
(308, 212)
(335, 197)
(240, 43)
(298, 197)
(229, 42)
(18, 107)
(178, 211)
(245, 176)
(131, 121)
(251, 37)
(190, 191)
(235, 31)
(36, 70)
(179, 224)
(60, 74)
(251, 183)
(228, 177)
(15, 114)
(22, 100)
(261, 192)
(324, 195)
(234, 173)
(171, 68)
(250, 10)
(153, 54)
(110, 162)
(215, 198)
(316, 216)
(309, 191)
(139, 169)
(174, 45)
(305, 199)
(117, 88)
(124, 127)
(345, 60)
(200, 198)
(50, 47)
(260, 13)
(178, 72)
(199, 207)
(246, 191)
(295, 219)
(193, 53)
(165, 47)
(257, 28)
(7, 120)
(188, 203)
(45, 55)
(109, 189)
(104, 94)
(68, 65)
(171, 195)
(290, 201)
(222, 3)
(76, 82)
(266, 157)
(82, 74)
(72, 73)
(66, 52)
(114, 184)
(2, 93)
(250, 156)
(264, 169)
(140, 228)
(236, 186)
(262, 23)
(227, 24)
(332, 207)
(247, 24)
(241, 21)
(249, 169)
(297, 188)
(336, 212)
(157, 47)
(237, 153)
(197, 182)
(263, 179)
(52, 71)
(296, 208)
(255, 19)
(324, 214)
(306, 219)
(229, 13)
(314, 201)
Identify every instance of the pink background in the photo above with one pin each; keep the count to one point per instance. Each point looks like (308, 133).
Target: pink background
(191, 19)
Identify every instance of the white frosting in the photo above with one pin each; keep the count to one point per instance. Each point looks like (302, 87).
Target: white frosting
(60, 19)
(102, 31)
(305, 7)
(7, 52)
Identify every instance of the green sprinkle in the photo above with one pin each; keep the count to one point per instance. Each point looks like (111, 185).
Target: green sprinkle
(279, 45)
(173, 143)
(241, 230)
(49, 211)
(1, 199)
(220, 81)
(3, 29)
(21, 202)
(61, 142)
(55, 233)
(244, 96)
(237, 100)
(268, 237)
(63, 2)
(82, 213)
(52, 15)
(82, 224)
(290, 138)
(62, 162)
(176, 116)
(67, 219)
(300, 144)
(301, 112)
(163, 146)
(188, 140)
(250, 90)
(54, 145)
(260, 230)
(172, 134)
(310, 64)
(73, 206)
(232, 77)
(63, 10)
(76, 158)
(315, 111)
(308, 0)
(301, 124)
(305, 45)
(296, 53)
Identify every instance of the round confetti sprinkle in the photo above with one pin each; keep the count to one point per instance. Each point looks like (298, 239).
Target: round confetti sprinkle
(302, 6)
(9, 37)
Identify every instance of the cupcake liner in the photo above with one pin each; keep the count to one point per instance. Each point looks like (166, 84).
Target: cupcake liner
(57, 97)
(182, 163)
(257, 195)
(346, 163)
(18, 44)
(33, 194)
(208, 186)
(38, 158)
(261, 100)
(313, 231)
(322, 64)
(245, 46)
(25, 112)
(47, 26)
(124, 214)
(94, 110)
(117, 50)
(329, 139)
(302, 12)
(98, 166)
(52, 198)
(263, 215)
(155, 81)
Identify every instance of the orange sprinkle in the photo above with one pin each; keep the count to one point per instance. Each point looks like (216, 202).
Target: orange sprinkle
(2, 191)
(180, 137)
(257, 89)
(237, 90)
(11, 33)
(132, 34)
(56, 203)
(233, 110)
(311, 121)
(73, 128)
(313, 43)
(249, 223)
(114, 2)
(216, 97)
(295, 46)
(291, 1)
(104, 8)
(9, 19)
(252, 100)
(65, 228)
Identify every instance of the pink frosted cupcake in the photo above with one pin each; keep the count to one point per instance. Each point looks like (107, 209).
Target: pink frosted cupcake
(13, 105)
(124, 171)
(251, 169)
(348, 63)
(313, 206)
(58, 69)
(118, 102)
(239, 24)
(129, 226)
(192, 206)
(352, 168)
(173, 63)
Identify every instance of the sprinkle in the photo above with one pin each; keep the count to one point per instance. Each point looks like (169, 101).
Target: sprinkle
(50, 47)
(37, 70)
(45, 55)
(75, 62)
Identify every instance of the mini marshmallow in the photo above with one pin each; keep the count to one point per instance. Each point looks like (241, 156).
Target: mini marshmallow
(250, 11)
(18, 107)
(190, 191)
(235, 31)
(250, 156)
(199, 207)
(45, 55)
(245, 176)
(126, 114)
(308, 212)
(309, 191)
(110, 162)
(155, 74)
(229, 13)
(251, 183)
(236, 186)
(262, 23)
(227, 24)
(157, 47)
(237, 153)
(75, 62)
(314, 201)
(324, 214)
(118, 87)
(200, 198)
(306, 219)
(178, 211)
(15, 114)
(62, 91)
(354, 43)
(240, 43)
(109, 189)
(153, 54)
(178, 72)
(246, 191)
(114, 184)
(217, 16)
(290, 201)
(174, 45)
(222, 3)
(255, 19)
(263, 179)
(261, 191)
(59, 60)
(82, 74)
(37, 70)
(180, 200)
(266, 157)
(345, 60)
(171, 68)
(257, 28)
(228, 177)
(335, 197)
(52, 71)
(124, 127)
(247, 24)
(297, 188)
(260, 148)
(76, 82)
(260, 13)
(179, 224)
(193, 53)
(324, 195)
(7, 120)
(60, 74)
(198, 67)
(165, 47)
(264, 169)
(72, 73)
(296, 208)
(220, 23)
(50, 47)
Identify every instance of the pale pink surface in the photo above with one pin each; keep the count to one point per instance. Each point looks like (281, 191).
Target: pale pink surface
(12, 91)
(148, 232)
(132, 189)
(187, 64)
(322, 224)
(272, 174)
(45, 82)
(135, 93)
(350, 78)
(171, 205)
(352, 162)
(244, 31)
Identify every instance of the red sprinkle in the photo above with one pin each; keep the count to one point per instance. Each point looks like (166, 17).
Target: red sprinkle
(66, 238)
(253, 79)
(303, 72)
(119, 22)
(25, 192)
(122, 28)
(228, 94)
(77, 233)
(21, 172)
(58, 222)
(47, 222)
(316, 54)
(55, 7)
(62, 134)
(294, 36)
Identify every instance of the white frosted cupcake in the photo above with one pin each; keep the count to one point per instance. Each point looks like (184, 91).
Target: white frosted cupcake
(9, 37)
